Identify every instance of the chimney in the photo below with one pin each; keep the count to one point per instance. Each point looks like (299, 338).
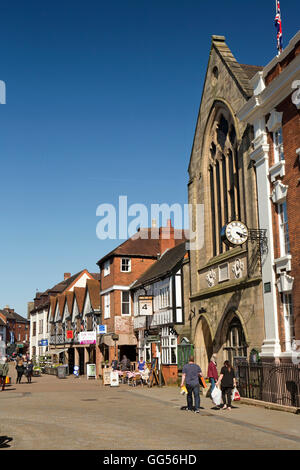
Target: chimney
(67, 276)
(166, 237)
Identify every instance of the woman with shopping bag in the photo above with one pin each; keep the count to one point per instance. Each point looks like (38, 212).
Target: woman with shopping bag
(228, 383)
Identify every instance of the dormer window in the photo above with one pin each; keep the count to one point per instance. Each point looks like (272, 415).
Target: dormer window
(125, 265)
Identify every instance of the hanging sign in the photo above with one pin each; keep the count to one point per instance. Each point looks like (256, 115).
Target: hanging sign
(146, 305)
(87, 337)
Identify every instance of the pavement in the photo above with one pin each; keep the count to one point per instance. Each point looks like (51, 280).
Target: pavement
(80, 414)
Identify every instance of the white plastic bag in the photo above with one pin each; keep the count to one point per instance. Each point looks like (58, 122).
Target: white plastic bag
(235, 395)
(216, 396)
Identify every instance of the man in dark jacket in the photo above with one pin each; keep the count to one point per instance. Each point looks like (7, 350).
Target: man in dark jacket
(191, 373)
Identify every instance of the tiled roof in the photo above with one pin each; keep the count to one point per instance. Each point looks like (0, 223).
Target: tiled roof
(93, 288)
(42, 299)
(53, 300)
(164, 266)
(70, 299)
(79, 293)
(61, 298)
(251, 70)
(145, 243)
(13, 316)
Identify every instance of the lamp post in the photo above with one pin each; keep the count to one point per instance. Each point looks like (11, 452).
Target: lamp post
(115, 338)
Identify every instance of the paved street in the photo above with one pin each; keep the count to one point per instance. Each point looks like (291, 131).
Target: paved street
(80, 414)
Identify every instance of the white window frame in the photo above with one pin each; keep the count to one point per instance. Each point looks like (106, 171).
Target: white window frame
(289, 321)
(168, 343)
(122, 302)
(278, 146)
(106, 306)
(128, 265)
(106, 268)
(284, 237)
(164, 297)
(144, 348)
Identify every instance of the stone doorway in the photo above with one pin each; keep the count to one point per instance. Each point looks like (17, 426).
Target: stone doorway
(203, 347)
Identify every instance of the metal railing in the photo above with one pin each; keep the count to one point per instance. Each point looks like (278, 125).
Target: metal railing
(272, 383)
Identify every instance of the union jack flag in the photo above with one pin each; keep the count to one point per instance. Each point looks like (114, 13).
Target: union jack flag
(278, 26)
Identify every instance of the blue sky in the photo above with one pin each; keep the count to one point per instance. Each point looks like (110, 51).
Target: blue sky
(102, 101)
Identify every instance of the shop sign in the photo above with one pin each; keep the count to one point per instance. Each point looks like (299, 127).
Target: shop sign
(43, 342)
(152, 339)
(102, 329)
(146, 305)
(87, 337)
(70, 334)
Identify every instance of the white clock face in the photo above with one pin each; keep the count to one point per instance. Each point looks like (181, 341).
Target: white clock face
(236, 233)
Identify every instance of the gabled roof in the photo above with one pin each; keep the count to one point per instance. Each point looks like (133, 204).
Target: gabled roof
(70, 299)
(79, 293)
(53, 300)
(61, 303)
(241, 73)
(93, 288)
(164, 266)
(42, 299)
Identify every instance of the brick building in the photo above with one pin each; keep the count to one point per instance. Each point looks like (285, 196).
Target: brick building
(161, 305)
(17, 331)
(119, 269)
(274, 113)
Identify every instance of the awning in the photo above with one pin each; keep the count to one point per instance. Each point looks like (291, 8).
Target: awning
(56, 351)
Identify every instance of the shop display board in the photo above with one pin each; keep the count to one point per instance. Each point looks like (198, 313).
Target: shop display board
(91, 371)
(106, 375)
(153, 377)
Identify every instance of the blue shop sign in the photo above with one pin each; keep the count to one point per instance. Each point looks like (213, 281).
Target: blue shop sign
(102, 329)
(43, 342)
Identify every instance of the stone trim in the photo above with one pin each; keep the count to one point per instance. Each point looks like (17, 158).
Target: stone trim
(222, 289)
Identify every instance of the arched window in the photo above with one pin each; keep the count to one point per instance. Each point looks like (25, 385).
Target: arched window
(223, 177)
(236, 345)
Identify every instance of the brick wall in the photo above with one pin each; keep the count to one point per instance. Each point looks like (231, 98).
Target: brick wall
(291, 142)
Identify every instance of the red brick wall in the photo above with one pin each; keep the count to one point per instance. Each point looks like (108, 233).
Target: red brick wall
(291, 142)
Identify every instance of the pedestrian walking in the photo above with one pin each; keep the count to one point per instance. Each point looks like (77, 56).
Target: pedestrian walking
(212, 372)
(20, 370)
(228, 382)
(29, 371)
(191, 373)
(4, 367)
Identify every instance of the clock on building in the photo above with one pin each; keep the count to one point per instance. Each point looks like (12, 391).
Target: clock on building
(234, 233)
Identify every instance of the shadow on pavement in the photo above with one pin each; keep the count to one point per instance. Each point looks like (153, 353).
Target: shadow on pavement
(4, 440)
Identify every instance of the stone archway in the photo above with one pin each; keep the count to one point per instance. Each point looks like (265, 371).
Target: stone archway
(203, 346)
